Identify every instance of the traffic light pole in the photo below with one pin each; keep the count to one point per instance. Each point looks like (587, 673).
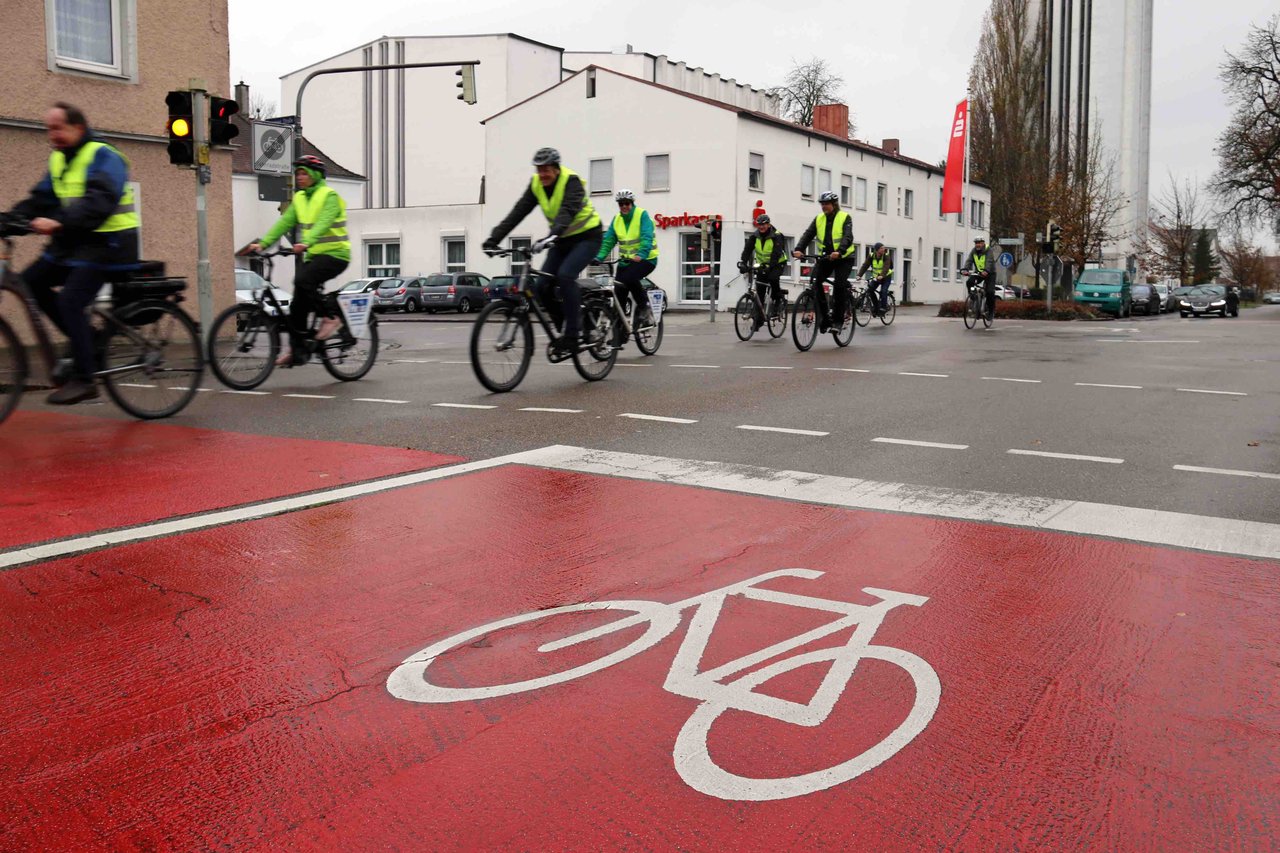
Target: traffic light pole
(204, 274)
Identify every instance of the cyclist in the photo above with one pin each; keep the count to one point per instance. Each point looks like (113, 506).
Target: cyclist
(767, 249)
(834, 231)
(632, 231)
(978, 267)
(574, 239)
(86, 208)
(321, 217)
(881, 276)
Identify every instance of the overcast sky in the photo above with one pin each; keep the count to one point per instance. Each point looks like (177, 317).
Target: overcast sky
(904, 69)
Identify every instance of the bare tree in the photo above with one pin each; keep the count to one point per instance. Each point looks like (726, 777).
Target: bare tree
(1176, 220)
(1245, 264)
(1248, 178)
(807, 85)
(1085, 201)
(261, 106)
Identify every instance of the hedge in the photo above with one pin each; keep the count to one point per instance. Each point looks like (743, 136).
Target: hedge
(1027, 309)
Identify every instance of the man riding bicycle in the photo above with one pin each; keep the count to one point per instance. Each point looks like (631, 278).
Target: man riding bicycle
(86, 207)
(834, 231)
(978, 267)
(767, 249)
(574, 239)
(881, 276)
(321, 217)
(632, 232)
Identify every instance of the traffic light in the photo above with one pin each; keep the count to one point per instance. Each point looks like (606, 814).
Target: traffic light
(221, 130)
(182, 146)
(716, 229)
(1055, 236)
(467, 83)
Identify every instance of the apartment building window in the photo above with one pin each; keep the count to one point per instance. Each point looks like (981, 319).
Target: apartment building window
(960, 215)
(657, 173)
(937, 264)
(824, 180)
(519, 264)
(600, 177)
(806, 181)
(382, 260)
(882, 198)
(846, 191)
(941, 215)
(978, 213)
(909, 203)
(90, 35)
(946, 264)
(455, 254)
(861, 197)
(755, 172)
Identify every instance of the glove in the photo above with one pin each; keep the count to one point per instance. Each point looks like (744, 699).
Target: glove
(490, 246)
(545, 243)
(742, 266)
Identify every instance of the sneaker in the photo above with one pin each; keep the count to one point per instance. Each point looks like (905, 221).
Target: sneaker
(75, 391)
(565, 345)
(327, 327)
(62, 371)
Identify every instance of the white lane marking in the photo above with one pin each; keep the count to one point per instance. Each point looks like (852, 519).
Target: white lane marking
(637, 417)
(462, 406)
(843, 369)
(136, 385)
(933, 375)
(1009, 379)
(1157, 527)
(455, 362)
(675, 335)
(1102, 385)
(1223, 393)
(183, 388)
(628, 364)
(1135, 341)
(1198, 469)
(247, 393)
(310, 396)
(911, 443)
(379, 400)
(707, 366)
(557, 411)
(782, 430)
(413, 361)
(1074, 456)
(217, 518)
(762, 367)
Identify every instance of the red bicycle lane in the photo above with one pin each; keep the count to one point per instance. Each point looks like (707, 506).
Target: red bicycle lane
(228, 687)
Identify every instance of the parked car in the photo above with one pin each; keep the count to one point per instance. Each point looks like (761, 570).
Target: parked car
(1272, 298)
(501, 285)
(1166, 304)
(249, 282)
(1108, 290)
(462, 291)
(1204, 299)
(361, 285)
(1004, 291)
(399, 294)
(1145, 299)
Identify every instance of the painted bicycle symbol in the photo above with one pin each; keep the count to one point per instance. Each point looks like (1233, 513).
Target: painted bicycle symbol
(411, 680)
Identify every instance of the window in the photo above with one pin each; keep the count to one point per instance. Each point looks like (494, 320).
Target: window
(946, 264)
(698, 269)
(806, 182)
(941, 215)
(88, 35)
(382, 260)
(824, 180)
(909, 203)
(657, 173)
(846, 191)
(755, 172)
(960, 215)
(861, 197)
(591, 82)
(882, 198)
(977, 213)
(600, 177)
(519, 264)
(455, 254)
(937, 264)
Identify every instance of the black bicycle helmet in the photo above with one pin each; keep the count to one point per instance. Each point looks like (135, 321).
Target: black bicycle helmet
(310, 161)
(546, 157)
(877, 247)
(763, 219)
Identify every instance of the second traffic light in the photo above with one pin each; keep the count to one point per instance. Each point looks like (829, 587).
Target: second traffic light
(221, 130)
(467, 83)
(181, 128)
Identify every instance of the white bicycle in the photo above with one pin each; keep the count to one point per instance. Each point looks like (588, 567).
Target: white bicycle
(693, 762)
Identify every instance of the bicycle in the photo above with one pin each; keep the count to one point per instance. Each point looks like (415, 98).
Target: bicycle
(750, 309)
(804, 317)
(975, 305)
(648, 338)
(864, 304)
(148, 349)
(502, 337)
(410, 681)
(245, 339)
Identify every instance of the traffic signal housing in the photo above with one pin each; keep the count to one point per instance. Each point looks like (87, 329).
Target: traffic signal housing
(221, 130)
(181, 128)
(1055, 236)
(467, 83)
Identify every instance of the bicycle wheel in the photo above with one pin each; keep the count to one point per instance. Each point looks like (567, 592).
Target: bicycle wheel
(778, 318)
(243, 345)
(501, 346)
(843, 334)
(13, 370)
(988, 313)
(890, 312)
(649, 338)
(970, 312)
(804, 321)
(152, 363)
(601, 321)
(862, 311)
(744, 317)
(349, 358)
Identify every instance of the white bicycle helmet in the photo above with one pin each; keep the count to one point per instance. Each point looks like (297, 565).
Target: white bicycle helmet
(625, 195)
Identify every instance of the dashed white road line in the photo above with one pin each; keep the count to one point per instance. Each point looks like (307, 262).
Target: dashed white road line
(842, 369)
(455, 362)
(1136, 341)
(763, 367)
(1103, 385)
(931, 375)
(639, 417)
(134, 385)
(1073, 456)
(785, 430)
(311, 396)
(1199, 470)
(555, 411)
(1010, 379)
(412, 361)
(450, 405)
(705, 366)
(1223, 393)
(913, 443)
(247, 393)
(629, 364)
(379, 400)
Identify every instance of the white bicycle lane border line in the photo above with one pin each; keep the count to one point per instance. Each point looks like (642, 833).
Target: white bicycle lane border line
(1134, 524)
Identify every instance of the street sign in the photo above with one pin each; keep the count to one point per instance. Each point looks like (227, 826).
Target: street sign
(1009, 241)
(272, 144)
(1006, 260)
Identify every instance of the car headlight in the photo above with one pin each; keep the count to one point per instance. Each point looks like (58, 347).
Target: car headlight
(1185, 303)
(1219, 302)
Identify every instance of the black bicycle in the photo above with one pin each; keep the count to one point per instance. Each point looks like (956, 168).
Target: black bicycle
(804, 317)
(750, 310)
(502, 337)
(864, 304)
(976, 305)
(147, 347)
(648, 335)
(245, 338)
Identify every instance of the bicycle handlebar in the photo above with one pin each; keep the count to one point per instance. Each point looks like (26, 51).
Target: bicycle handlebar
(12, 225)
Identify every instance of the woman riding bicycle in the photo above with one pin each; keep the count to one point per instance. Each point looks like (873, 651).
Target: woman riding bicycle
(632, 232)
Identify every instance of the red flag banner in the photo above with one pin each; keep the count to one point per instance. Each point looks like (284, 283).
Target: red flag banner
(953, 185)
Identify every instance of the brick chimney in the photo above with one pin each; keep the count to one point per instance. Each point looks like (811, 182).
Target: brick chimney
(242, 98)
(891, 146)
(832, 118)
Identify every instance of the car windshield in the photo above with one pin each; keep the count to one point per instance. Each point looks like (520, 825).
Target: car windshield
(439, 281)
(1207, 290)
(1108, 277)
(358, 284)
(248, 280)
(503, 281)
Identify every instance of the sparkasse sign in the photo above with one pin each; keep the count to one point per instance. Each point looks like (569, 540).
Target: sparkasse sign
(684, 220)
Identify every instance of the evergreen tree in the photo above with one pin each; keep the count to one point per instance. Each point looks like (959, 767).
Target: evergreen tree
(1206, 265)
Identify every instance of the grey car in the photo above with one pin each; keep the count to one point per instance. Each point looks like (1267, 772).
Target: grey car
(461, 291)
(399, 294)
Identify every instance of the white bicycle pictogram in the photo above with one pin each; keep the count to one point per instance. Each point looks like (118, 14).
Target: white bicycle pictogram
(693, 762)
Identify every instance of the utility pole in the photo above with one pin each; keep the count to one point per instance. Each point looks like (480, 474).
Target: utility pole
(204, 273)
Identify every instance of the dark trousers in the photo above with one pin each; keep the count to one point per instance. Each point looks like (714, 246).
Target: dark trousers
(768, 290)
(566, 260)
(76, 288)
(880, 289)
(839, 271)
(988, 288)
(309, 297)
(628, 280)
